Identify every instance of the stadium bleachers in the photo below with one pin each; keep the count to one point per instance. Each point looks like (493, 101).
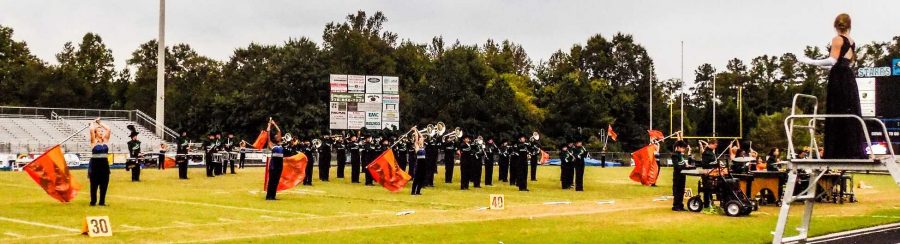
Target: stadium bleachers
(35, 133)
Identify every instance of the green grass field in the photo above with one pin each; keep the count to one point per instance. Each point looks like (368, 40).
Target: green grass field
(231, 208)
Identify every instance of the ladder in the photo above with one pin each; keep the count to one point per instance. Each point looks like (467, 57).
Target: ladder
(816, 167)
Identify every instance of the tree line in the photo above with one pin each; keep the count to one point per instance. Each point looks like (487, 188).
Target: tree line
(492, 88)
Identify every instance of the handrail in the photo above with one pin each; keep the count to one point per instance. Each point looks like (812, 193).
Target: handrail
(789, 121)
(166, 130)
(800, 95)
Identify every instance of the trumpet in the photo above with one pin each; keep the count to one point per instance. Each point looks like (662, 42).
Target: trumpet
(479, 141)
(439, 129)
(455, 134)
(429, 129)
(316, 143)
(535, 136)
(287, 138)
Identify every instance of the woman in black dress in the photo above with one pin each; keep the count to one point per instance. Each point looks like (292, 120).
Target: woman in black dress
(98, 169)
(843, 136)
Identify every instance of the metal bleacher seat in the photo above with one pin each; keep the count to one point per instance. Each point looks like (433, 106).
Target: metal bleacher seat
(35, 133)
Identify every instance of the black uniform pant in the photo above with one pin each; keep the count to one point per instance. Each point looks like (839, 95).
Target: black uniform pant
(448, 168)
(161, 162)
(341, 163)
(476, 172)
(419, 174)
(411, 165)
(99, 182)
(579, 175)
(488, 172)
(220, 169)
(564, 174)
(522, 173)
(678, 180)
(513, 170)
(432, 169)
(275, 168)
(307, 178)
(603, 161)
(465, 173)
(181, 161)
(369, 180)
(534, 164)
(401, 161)
(231, 163)
(135, 170)
(324, 168)
(243, 160)
(504, 169)
(209, 166)
(354, 171)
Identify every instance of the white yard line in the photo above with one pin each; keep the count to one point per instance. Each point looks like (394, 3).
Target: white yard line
(209, 205)
(20, 221)
(13, 234)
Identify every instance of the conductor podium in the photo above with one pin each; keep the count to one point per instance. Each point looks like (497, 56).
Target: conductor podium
(818, 168)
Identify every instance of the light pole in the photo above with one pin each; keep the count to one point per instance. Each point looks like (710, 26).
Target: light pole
(714, 102)
(651, 96)
(161, 72)
(682, 88)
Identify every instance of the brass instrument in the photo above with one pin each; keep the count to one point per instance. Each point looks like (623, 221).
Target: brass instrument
(535, 136)
(439, 129)
(454, 135)
(287, 138)
(316, 143)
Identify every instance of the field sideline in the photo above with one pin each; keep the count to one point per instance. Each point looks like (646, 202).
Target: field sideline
(231, 208)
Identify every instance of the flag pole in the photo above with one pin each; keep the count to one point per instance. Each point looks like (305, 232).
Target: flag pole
(74, 134)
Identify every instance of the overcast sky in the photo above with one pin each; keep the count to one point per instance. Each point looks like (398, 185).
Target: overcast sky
(712, 31)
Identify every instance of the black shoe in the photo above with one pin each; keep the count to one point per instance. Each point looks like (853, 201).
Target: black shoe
(103, 204)
(523, 190)
(93, 204)
(477, 186)
(676, 209)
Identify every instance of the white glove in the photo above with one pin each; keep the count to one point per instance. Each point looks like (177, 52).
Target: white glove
(821, 62)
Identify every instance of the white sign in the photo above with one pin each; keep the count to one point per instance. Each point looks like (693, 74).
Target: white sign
(373, 98)
(338, 83)
(373, 120)
(497, 201)
(373, 84)
(95, 226)
(873, 71)
(866, 96)
(356, 120)
(338, 120)
(356, 84)
(390, 125)
(390, 98)
(368, 107)
(391, 85)
(390, 116)
(391, 107)
(338, 106)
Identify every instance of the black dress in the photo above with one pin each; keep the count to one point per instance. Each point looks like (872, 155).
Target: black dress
(843, 136)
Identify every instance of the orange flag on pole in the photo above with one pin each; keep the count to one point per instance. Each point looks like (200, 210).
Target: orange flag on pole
(545, 157)
(645, 169)
(385, 171)
(656, 135)
(261, 140)
(292, 173)
(51, 173)
(612, 134)
(169, 162)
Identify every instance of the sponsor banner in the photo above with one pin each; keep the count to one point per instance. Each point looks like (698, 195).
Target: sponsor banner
(356, 120)
(356, 84)
(368, 107)
(390, 98)
(390, 116)
(338, 83)
(390, 125)
(373, 84)
(390, 107)
(391, 85)
(338, 120)
(373, 120)
(866, 96)
(373, 98)
(348, 97)
(896, 64)
(338, 106)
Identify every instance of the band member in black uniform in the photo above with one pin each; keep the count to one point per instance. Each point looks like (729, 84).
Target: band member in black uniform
(219, 160)
(411, 157)
(709, 161)
(209, 148)
(432, 149)
(566, 159)
(341, 149)
(229, 150)
(401, 151)
(419, 172)
(490, 151)
(325, 158)
(466, 160)
(134, 155)
(276, 160)
(681, 162)
(98, 167)
(520, 161)
(535, 156)
(355, 150)
(580, 153)
(371, 151)
(478, 163)
(513, 162)
(312, 156)
(161, 162)
(449, 159)
(181, 156)
(503, 164)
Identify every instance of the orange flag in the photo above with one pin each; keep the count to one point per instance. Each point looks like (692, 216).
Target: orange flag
(169, 163)
(612, 134)
(51, 173)
(292, 173)
(261, 140)
(545, 157)
(645, 169)
(385, 171)
(655, 134)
